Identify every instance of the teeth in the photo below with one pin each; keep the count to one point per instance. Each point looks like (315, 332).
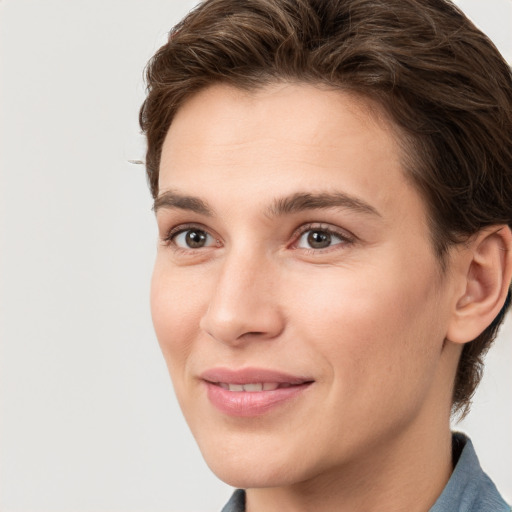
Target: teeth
(251, 388)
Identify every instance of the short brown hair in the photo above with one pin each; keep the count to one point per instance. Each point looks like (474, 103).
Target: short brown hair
(441, 80)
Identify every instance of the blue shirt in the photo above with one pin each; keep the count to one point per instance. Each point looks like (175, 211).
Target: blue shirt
(468, 490)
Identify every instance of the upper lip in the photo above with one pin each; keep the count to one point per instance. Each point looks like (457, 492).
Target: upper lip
(251, 375)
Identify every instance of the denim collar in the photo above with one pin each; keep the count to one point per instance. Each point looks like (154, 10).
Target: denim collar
(469, 488)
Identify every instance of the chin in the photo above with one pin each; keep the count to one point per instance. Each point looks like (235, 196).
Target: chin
(246, 475)
(251, 464)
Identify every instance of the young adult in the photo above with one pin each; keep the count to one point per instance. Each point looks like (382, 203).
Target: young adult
(333, 192)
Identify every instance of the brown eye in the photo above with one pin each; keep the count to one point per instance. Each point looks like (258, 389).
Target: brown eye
(193, 238)
(319, 239)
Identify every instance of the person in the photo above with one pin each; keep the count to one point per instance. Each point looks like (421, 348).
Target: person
(332, 183)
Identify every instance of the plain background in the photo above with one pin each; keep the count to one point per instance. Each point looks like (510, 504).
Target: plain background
(88, 421)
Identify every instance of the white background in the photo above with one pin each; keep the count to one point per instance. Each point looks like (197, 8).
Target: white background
(88, 421)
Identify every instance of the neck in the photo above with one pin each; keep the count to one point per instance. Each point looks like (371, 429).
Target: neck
(407, 474)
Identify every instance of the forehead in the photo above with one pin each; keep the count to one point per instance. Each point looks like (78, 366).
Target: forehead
(249, 146)
(267, 110)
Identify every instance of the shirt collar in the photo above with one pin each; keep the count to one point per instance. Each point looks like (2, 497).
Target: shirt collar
(469, 488)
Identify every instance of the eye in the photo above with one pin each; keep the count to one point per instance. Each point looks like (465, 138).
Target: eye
(319, 239)
(192, 238)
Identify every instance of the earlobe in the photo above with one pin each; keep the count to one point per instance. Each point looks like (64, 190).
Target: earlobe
(487, 269)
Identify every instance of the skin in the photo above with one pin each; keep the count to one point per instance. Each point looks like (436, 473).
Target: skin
(365, 317)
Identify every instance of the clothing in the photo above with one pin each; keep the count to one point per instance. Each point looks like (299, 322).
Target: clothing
(236, 503)
(468, 490)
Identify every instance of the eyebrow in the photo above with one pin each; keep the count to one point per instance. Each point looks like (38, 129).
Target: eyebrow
(294, 203)
(308, 201)
(173, 200)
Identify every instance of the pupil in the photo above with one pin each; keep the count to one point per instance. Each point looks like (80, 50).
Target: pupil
(319, 239)
(195, 239)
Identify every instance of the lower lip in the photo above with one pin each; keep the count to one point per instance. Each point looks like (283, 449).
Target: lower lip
(247, 403)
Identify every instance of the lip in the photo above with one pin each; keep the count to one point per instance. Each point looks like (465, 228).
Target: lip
(251, 403)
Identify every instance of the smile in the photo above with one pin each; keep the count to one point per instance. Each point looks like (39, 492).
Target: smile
(253, 388)
(251, 392)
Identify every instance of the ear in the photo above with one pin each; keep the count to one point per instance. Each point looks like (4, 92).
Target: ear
(486, 270)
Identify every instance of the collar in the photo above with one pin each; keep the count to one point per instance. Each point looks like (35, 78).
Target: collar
(469, 488)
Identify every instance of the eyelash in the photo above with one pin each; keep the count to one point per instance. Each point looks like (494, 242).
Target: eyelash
(169, 239)
(344, 237)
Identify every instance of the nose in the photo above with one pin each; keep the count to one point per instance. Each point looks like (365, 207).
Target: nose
(244, 303)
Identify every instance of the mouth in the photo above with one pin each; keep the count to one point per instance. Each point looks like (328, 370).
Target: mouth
(254, 387)
(252, 392)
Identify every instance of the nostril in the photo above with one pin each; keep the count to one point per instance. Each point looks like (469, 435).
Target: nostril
(238, 311)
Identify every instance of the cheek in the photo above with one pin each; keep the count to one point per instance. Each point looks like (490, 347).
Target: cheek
(375, 331)
(175, 315)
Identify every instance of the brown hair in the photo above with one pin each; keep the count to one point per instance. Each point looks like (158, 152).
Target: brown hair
(441, 80)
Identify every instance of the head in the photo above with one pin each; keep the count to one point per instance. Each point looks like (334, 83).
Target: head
(416, 73)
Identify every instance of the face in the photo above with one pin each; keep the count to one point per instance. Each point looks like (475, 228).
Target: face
(296, 296)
